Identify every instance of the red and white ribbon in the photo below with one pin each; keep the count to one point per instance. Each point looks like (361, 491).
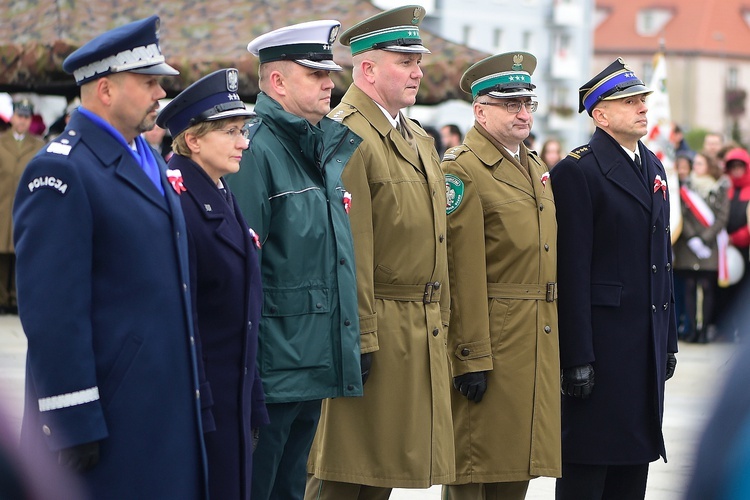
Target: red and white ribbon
(175, 179)
(347, 201)
(660, 184)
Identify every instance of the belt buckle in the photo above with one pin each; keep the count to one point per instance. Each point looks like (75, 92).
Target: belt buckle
(551, 291)
(429, 291)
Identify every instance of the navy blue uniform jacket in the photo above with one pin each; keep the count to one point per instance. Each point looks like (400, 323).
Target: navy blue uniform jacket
(227, 299)
(615, 300)
(103, 295)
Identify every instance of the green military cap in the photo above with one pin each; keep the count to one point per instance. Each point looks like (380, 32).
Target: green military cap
(395, 30)
(501, 76)
(23, 108)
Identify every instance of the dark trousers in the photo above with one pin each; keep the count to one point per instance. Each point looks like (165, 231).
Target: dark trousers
(602, 482)
(280, 460)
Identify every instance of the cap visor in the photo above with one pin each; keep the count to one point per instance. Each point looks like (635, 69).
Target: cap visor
(515, 93)
(630, 91)
(230, 114)
(156, 69)
(324, 65)
(411, 49)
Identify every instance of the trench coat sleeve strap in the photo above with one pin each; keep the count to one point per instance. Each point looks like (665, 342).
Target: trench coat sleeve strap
(575, 230)
(469, 347)
(355, 180)
(207, 401)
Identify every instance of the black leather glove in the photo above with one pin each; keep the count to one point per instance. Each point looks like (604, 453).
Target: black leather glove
(671, 364)
(256, 437)
(578, 381)
(80, 458)
(366, 362)
(472, 385)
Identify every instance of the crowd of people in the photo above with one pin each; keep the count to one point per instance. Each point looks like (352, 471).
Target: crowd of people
(307, 301)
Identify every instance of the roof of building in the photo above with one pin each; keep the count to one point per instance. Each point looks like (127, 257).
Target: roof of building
(718, 27)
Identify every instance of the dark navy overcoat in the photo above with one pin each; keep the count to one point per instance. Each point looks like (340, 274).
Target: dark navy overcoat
(103, 295)
(616, 306)
(227, 300)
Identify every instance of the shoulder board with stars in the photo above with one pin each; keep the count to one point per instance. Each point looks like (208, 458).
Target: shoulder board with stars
(63, 143)
(453, 153)
(579, 153)
(340, 113)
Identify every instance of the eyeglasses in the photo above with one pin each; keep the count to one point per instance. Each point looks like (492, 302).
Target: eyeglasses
(235, 132)
(514, 107)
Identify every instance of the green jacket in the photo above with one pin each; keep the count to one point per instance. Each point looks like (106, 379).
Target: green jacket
(289, 189)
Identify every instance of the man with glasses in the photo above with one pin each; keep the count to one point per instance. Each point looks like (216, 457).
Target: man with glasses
(618, 332)
(290, 191)
(502, 342)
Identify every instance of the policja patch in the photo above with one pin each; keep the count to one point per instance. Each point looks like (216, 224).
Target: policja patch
(454, 192)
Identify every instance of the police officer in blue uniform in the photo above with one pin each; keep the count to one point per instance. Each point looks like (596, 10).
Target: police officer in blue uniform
(207, 123)
(103, 286)
(616, 304)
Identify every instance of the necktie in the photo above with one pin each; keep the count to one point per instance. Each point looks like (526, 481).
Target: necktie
(638, 163)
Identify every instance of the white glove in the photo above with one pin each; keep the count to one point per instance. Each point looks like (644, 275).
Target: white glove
(699, 248)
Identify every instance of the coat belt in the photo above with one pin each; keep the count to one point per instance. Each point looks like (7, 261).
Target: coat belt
(427, 293)
(546, 292)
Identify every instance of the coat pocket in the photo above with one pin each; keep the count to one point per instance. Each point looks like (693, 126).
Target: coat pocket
(113, 380)
(606, 294)
(279, 303)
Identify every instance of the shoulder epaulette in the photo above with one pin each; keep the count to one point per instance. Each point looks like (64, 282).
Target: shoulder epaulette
(341, 112)
(580, 152)
(63, 143)
(453, 153)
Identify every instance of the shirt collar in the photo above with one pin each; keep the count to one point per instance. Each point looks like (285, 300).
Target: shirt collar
(392, 120)
(630, 153)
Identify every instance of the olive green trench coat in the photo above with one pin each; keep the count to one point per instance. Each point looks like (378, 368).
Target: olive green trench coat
(502, 241)
(400, 433)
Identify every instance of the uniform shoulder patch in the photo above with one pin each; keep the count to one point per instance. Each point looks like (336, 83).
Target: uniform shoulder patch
(340, 112)
(454, 192)
(580, 152)
(63, 143)
(454, 152)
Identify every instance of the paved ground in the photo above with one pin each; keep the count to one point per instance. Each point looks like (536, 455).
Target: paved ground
(689, 400)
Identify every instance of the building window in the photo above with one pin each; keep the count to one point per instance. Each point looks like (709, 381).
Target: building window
(732, 78)
(528, 41)
(497, 39)
(468, 36)
(650, 22)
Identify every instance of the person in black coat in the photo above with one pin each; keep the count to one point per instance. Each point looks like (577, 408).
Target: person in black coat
(618, 332)
(207, 121)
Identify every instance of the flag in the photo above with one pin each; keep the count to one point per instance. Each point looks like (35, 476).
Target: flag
(657, 138)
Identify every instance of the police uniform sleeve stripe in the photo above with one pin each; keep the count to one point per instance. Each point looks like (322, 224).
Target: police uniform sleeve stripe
(69, 399)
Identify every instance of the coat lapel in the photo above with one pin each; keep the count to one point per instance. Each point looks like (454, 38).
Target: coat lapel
(616, 168)
(504, 169)
(659, 197)
(112, 154)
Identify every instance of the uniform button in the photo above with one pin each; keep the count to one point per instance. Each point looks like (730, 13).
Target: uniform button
(465, 351)
(435, 332)
(197, 394)
(541, 207)
(71, 132)
(669, 266)
(436, 285)
(666, 306)
(351, 141)
(338, 160)
(653, 229)
(184, 287)
(350, 387)
(546, 247)
(653, 269)
(666, 229)
(246, 370)
(319, 305)
(547, 329)
(46, 430)
(433, 192)
(347, 323)
(274, 309)
(653, 308)
(342, 261)
(178, 234)
(192, 340)
(249, 324)
(441, 238)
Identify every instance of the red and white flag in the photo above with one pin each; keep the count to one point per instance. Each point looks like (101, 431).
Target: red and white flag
(657, 138)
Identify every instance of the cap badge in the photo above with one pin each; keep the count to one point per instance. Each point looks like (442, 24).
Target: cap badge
(517, 62)
(232, 80)
(333, 35)
(415, 16)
